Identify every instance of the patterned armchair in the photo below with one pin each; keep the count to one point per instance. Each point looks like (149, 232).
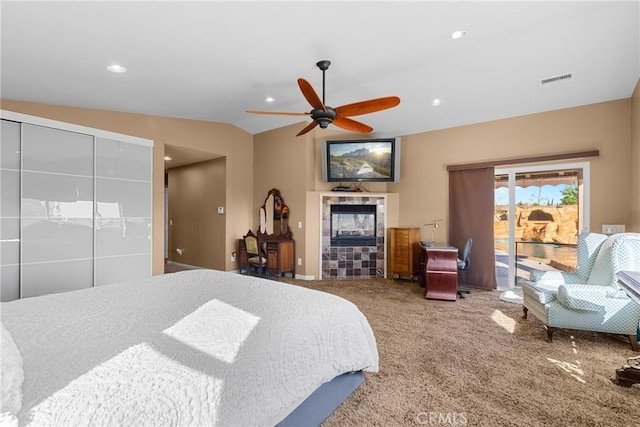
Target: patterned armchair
(589, 299)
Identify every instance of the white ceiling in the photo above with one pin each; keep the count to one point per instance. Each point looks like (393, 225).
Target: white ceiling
(211, 60)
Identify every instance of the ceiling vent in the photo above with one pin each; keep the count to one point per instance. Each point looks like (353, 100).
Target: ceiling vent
(556, 79)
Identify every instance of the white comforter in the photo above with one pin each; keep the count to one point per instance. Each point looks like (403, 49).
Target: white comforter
(185, 349)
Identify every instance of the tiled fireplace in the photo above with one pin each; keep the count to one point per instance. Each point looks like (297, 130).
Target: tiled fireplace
(353, 236)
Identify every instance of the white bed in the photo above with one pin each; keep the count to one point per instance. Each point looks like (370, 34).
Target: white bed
(197, 348)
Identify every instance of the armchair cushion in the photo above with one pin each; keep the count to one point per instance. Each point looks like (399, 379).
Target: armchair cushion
(257, 260)
(555, 277)
(617, 294)
(583, 297)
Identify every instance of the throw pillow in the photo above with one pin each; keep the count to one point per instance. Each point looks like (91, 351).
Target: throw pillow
(12, 374)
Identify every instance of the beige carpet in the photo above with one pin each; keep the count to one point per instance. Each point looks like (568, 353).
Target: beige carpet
(477, 362)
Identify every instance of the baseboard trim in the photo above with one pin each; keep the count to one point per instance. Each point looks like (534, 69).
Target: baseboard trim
(194, 267)
(190, 267)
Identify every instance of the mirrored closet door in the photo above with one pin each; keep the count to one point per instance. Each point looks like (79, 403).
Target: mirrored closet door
(10, 210)
(56, 205)
(75, 209)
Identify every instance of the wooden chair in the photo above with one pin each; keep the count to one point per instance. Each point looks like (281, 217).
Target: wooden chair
(255, 256)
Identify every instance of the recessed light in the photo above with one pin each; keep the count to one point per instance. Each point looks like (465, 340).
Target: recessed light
(115, 68)
(167, 158)
(269, 99)
(435, 102)
(458, 34)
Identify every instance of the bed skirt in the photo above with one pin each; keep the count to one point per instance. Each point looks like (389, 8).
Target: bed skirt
(322, 402)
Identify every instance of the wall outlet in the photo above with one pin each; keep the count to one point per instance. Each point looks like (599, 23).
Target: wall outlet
(299, 261)
(233, 256)
(220, 210)
(612, 228)
(179, 251)
(299, 224)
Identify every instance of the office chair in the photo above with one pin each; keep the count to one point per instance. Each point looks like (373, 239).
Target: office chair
(254, 255)
(463, 264)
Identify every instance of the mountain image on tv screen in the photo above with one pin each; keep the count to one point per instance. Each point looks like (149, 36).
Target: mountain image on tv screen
(360, 161)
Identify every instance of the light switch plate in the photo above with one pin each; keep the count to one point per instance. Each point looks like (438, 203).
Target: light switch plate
(612, 228)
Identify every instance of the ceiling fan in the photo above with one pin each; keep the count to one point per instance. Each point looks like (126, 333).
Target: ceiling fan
(324, 115)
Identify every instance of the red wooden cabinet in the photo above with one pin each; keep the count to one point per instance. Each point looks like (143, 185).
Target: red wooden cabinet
(440, 272)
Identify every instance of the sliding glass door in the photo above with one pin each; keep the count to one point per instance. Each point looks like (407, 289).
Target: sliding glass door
(540, 210)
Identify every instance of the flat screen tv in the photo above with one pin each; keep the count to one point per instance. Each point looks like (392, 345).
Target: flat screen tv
(361, 160)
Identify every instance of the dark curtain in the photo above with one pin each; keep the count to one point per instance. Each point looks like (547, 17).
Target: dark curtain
(471, 211)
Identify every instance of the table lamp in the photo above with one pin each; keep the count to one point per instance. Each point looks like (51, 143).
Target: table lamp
(434, 226)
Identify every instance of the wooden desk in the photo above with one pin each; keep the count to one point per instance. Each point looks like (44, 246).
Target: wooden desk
(439, 271)
(280, 254)
(629, 281)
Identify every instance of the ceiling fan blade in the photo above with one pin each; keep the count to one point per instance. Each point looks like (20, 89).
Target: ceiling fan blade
(370, 106)
(310, 95)
(307, 128)
(352, 125)
(277, 113)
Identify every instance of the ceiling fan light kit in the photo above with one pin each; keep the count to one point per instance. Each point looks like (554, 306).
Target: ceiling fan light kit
(323, 115)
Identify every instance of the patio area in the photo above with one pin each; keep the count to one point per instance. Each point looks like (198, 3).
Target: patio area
(524, 265)
(512, 292)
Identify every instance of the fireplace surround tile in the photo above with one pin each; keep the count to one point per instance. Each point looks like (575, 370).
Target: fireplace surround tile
(353, 262)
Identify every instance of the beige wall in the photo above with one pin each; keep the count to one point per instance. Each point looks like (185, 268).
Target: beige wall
(423, 187)
(634, 220)
(279, 159)
(195, 227)
(219, 138)
(282, 161)
(606, 127)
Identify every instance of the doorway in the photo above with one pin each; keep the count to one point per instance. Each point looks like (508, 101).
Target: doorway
(539, 212)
